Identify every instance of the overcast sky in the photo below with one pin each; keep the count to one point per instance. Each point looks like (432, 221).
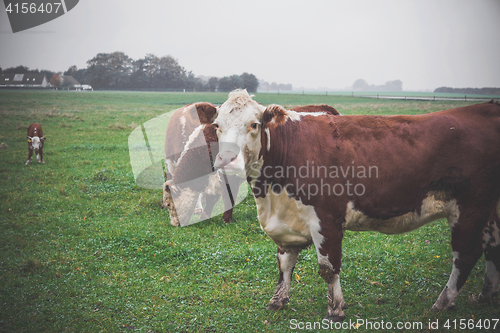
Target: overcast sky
(312, 44)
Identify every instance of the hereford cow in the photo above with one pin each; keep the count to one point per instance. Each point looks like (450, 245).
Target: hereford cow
(189, 143)
(198, 145)
(35, 142)
(314, 175)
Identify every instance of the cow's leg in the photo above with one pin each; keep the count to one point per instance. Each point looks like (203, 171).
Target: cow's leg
(286, 264)
(30, 155)
(230, 185)
(210, 201)
(227, 216)
(328, 245)
(491, 246)
(199, 206)
(41, 155)
(228, 201)
(467, 249)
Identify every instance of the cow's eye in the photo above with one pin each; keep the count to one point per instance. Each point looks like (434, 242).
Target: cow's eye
(254, 125)
(216, 125)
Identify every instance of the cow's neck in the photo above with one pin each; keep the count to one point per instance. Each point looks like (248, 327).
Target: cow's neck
(270, 156)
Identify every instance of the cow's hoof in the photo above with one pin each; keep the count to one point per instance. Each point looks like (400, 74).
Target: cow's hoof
(486, 299)
(228, 221)
(43, 161)
(483, 299)
(27, 162)
(335, 319)
(437, 308)
(277, 304)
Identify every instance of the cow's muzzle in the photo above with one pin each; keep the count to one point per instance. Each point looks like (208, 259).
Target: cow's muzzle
(225, 159)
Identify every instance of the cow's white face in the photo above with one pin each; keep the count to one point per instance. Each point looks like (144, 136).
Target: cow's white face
(238, 128)
(36, 142)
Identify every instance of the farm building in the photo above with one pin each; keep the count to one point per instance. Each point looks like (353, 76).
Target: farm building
(28, 80)
(69, 82)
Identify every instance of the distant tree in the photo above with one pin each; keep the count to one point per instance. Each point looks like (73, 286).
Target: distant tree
(229, 83)
(78, 74)
(249, 82)
(48, 74)
(282, 86)
(274, 86)
(396, 85)
(191, 82)
(213, 83)
(480, 91)
(109, 71)
(162, 73)
(263, 85)
(55, 81)
(1, 71)
(360, 84)
(71, 71)
(196, 83)
(17, 70)
(141, 77)
(171, 74)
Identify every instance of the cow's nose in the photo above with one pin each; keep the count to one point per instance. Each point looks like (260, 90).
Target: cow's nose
(225, 158)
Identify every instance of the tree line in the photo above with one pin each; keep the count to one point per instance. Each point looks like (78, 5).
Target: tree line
(362, 85)
(118, 71)
(479, 91)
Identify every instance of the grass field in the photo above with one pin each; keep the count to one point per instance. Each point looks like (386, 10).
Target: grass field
(83, 249)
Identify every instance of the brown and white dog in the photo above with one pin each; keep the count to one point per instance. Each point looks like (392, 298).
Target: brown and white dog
(35, 142)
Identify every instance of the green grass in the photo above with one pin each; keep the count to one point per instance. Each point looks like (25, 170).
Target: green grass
(83, 249)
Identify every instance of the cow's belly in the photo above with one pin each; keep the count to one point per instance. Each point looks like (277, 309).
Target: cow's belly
(432, 209)
(288, 222)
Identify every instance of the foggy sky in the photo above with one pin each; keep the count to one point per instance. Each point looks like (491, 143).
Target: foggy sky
(425, 44)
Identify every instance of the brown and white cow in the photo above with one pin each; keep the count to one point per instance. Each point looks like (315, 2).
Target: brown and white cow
(190, 146)
(35, 142)
(314, 175)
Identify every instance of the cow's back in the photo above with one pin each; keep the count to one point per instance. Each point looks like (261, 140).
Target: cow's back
(181, 125)
(35, 129)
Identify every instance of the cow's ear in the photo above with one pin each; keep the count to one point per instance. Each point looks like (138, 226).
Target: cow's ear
(42, 138)
(207, 112)
(29, 138)
(273, 116)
